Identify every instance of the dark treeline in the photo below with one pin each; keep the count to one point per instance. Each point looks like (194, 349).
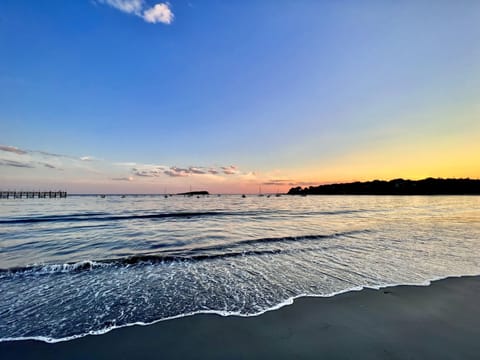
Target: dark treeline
(428, 186)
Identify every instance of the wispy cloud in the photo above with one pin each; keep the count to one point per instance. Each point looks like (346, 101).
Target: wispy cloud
(279, 182)
(306, 183)
(175, 171)
(89, 163)
(12, 149)
(87, 158)
(144, 174)
(289, 182)
(123, 178)
(128, 164)
(148, 170)
(26, 164)
(18, 151)
(13, 163)
(158, 13)
(18, 162)
(51, 154)
(24, 158)
(197, 171)
(127, 6)
(229, 170)
(50, 166)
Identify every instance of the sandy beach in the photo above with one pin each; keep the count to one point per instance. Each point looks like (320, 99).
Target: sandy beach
(440, 321)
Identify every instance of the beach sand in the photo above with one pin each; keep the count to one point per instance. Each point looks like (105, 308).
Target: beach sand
(441, 321)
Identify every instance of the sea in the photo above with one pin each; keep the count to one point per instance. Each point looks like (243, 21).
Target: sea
(89, 264)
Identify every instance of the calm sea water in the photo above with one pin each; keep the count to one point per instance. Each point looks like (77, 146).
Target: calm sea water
(84, 265)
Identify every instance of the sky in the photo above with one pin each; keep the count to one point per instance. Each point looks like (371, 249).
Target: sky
(140, 96)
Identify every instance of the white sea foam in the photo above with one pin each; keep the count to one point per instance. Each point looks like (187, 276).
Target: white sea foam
(287, 302)
(47, 269)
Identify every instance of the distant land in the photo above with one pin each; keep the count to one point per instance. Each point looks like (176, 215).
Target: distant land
(429, 186)
(192, 193)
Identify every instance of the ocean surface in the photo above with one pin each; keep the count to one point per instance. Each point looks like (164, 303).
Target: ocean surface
(86, 264)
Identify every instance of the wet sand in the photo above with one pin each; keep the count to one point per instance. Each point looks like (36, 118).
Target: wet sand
(441, 321)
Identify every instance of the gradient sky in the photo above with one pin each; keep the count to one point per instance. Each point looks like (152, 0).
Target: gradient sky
(140, 96)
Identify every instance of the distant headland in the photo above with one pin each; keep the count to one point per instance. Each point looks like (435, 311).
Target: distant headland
(192, 193)
(429, 186)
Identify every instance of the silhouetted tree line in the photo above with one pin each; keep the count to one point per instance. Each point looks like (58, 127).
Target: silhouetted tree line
(429, 186)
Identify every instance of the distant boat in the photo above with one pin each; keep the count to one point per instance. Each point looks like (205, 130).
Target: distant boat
(277, 194)
(260, 190)
(123, 196)
(102, 196)
(243, 196)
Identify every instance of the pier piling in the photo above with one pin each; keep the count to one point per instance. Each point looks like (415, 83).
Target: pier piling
(32, 194)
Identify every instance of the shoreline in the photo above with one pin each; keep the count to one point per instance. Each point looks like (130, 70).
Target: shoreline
(415, 321)
(287, 302)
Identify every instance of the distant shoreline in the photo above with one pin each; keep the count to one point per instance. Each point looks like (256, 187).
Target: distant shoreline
(192, 193)
(428, 186)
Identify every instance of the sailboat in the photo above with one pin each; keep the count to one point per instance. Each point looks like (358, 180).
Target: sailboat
(260, 190)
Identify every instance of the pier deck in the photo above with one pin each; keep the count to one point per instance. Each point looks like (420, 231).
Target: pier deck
(32, 194)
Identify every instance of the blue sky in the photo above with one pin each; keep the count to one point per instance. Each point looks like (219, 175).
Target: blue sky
(294, 91)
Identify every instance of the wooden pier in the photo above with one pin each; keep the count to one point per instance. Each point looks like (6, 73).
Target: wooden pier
(32, 194)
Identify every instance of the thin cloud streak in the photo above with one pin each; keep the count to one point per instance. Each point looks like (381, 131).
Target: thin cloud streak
(18, 151)
(13, 149)
(17, 164)
(287, 182)
(50, 166)
(123, 179)
(87, 158)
